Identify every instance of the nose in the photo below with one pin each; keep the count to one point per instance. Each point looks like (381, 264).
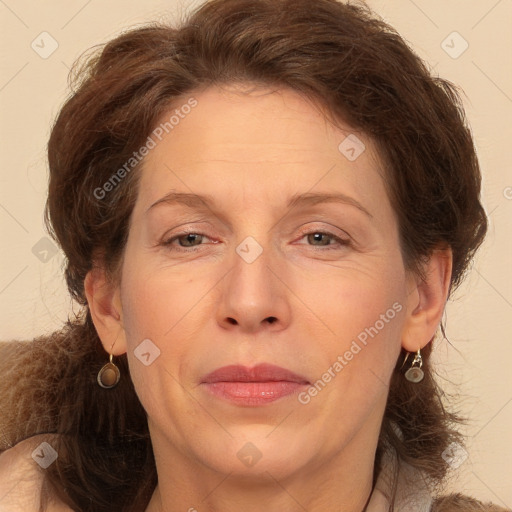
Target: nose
(254, 295)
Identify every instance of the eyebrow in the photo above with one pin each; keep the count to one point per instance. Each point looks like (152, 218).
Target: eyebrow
(205, 202)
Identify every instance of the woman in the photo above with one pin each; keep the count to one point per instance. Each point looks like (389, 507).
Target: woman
(264, 212)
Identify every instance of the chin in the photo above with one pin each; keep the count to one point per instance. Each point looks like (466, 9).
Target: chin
(259, 451)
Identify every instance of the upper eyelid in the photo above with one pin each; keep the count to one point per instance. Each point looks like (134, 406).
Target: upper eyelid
(346, 238)
(201, 231)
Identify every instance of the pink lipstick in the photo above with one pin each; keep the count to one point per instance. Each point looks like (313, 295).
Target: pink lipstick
(259, 385)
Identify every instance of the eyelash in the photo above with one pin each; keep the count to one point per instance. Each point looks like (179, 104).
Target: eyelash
(340, 241)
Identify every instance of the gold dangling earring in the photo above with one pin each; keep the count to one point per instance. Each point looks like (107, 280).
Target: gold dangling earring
(109, 375)
(414, 373)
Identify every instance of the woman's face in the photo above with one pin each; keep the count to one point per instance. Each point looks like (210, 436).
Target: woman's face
(252, 266)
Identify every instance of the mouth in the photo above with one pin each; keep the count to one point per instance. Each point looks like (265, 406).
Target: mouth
(261, 373)
(255, 386)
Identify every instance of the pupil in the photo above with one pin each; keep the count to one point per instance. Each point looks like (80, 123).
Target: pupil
(317, 237)
(190, 237)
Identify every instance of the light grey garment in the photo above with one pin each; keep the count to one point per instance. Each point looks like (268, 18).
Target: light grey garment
(413, 493)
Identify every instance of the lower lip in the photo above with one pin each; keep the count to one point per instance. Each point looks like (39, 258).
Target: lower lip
(253, 393)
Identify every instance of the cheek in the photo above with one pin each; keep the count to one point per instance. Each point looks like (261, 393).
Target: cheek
(167, 306)
(155, 308)
(351, 300)
(362, 316)
(154, 302)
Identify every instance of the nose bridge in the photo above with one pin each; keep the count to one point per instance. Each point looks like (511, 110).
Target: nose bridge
(251, 279)
(252, 294)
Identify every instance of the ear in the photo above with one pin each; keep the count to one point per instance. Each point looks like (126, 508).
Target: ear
(106, 311)
(426, 301)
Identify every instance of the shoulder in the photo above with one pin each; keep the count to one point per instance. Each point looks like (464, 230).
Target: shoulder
(413, 490)
(21, 477)
(460, 503)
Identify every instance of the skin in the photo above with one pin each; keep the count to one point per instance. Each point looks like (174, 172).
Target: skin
(251, 149)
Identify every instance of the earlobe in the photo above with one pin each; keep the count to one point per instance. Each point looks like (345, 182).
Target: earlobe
(427, 301)
(105, 306)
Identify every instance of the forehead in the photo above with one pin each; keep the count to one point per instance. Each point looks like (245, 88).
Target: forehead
(260, 143)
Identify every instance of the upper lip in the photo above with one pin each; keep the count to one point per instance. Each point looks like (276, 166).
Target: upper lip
(263, 372)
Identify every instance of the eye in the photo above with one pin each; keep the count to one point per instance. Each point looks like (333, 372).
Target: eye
(191, 241)
(186, 238)
(324, 237)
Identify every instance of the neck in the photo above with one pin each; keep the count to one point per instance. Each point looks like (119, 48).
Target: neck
(342, 483)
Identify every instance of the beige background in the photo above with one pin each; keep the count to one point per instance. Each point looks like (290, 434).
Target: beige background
(478, 364)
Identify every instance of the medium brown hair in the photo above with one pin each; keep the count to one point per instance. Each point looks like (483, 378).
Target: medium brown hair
(348, 62)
